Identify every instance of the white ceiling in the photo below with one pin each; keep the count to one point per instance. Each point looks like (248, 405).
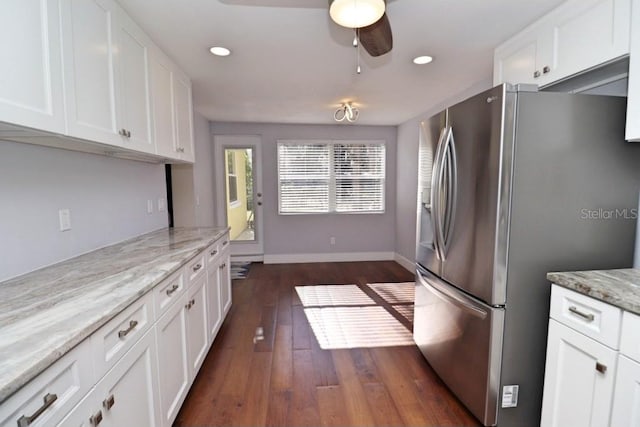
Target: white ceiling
(291, 64)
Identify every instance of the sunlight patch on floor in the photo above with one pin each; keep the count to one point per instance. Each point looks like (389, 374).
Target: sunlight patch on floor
(344, 316)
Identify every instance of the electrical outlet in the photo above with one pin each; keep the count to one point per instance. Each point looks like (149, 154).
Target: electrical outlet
(162, 204)
(65, 219)
(332, 240)
(149, 206)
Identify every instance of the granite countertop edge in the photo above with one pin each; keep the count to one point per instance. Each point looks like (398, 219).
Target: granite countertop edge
(19, 374)
(620, 287)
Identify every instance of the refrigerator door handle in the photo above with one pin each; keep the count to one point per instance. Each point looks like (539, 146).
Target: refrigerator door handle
(453, 297)
(452, 189)
(435, 195)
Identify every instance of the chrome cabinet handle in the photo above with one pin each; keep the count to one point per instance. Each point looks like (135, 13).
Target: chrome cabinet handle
(536, 74)
(213, 252)
(125, 332)
(172, 290)
(601, 367)
(96, 418)
(225, 243)
(546, 69)
(26, 420)
(588, 317)
(180, 150)
(190, 304)
(122, 132)
(197, 267)
(223, 265)
(109, 402)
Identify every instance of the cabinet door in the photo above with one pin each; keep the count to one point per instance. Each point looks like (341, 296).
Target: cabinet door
(626, 397)
(31, 93)
(163, 119)
(225, 283)
(197, 329)
(633, 99)
(84, 414)
(588, 33)
(578, 381)
(214, 308)
(173, 367)
(128, 393)
(133, 85)
(88, 47)
(184, 117)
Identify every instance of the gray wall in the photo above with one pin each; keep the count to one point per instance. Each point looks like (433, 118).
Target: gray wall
(407, 182)
(107, 198)
(309, 234)
(193, 185)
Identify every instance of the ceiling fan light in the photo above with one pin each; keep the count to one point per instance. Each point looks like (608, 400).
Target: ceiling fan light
(356, 13)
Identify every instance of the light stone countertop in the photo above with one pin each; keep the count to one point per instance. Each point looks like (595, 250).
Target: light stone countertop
(616, 287)
(45, 313)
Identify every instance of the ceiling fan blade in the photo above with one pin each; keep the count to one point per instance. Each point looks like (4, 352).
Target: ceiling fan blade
(377, 38)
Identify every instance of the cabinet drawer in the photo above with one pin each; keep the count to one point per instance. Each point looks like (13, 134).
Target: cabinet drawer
(53, 393)
(195, 268)
(116, 337)
(630, 336)
(593, 318)
(212, 253)
(167, 292)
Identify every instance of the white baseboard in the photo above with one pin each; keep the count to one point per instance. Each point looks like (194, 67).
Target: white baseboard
(250, 258)
(328, 257)
(405, 262)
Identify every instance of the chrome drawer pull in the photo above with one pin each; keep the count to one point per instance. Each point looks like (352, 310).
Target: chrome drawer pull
(124, 333)
(197, 267)
(25, 420)
(214, 252)
(588, 317)
(96, 418)
(172, 290)
(601, 368)
(225, 243)
(223, 265)
(109, 402)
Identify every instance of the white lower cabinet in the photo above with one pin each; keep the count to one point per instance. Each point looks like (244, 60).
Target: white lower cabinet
(127, 395)
(137, 368)
(173, 365)
(579, 379)
(197, 329)
(626, 405)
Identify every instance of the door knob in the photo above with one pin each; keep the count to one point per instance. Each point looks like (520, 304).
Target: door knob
(259, 203)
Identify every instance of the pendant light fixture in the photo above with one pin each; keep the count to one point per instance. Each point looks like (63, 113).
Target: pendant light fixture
(356, 13)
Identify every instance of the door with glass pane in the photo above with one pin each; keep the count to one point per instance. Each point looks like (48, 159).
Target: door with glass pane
(239, 192)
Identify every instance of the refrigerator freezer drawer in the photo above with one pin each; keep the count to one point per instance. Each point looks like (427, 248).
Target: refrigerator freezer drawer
(462, 340)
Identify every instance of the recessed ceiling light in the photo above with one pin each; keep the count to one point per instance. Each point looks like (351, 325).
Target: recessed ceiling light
(421, 60)
(220, 51)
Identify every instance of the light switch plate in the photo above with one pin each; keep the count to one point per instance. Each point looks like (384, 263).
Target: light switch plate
(149, 206)
(162, 204)
(510, 396)
(65, 219)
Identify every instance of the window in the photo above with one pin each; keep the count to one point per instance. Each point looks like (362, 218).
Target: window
(331, 176)
(232, 177)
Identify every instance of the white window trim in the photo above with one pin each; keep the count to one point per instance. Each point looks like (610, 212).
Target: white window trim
(332, 177)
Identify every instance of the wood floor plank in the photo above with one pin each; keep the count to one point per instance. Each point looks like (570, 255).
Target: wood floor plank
(304, 403)
(333, 411)
(268, 325)
(384, 409)
(301, 329)
(255, 402)
(279, 401)
(365, 366)
(282, 366)
(324, 371)
(356, 402)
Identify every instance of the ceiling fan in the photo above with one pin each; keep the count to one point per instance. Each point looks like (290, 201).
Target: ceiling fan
(367, 17)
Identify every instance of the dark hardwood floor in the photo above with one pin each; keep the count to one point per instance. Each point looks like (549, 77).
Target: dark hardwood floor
(288, 379)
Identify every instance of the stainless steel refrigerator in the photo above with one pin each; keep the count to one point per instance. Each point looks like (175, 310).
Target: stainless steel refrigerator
(513, 184)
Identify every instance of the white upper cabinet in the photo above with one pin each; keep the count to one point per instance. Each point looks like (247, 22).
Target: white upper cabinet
(576, 36)
(172, 112)
(31, 92)
(132, 83)
(183, 116)
(89, 70)
(106, 75)
(633, 97)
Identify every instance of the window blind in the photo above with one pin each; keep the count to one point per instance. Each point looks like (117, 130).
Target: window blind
(331, 176)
